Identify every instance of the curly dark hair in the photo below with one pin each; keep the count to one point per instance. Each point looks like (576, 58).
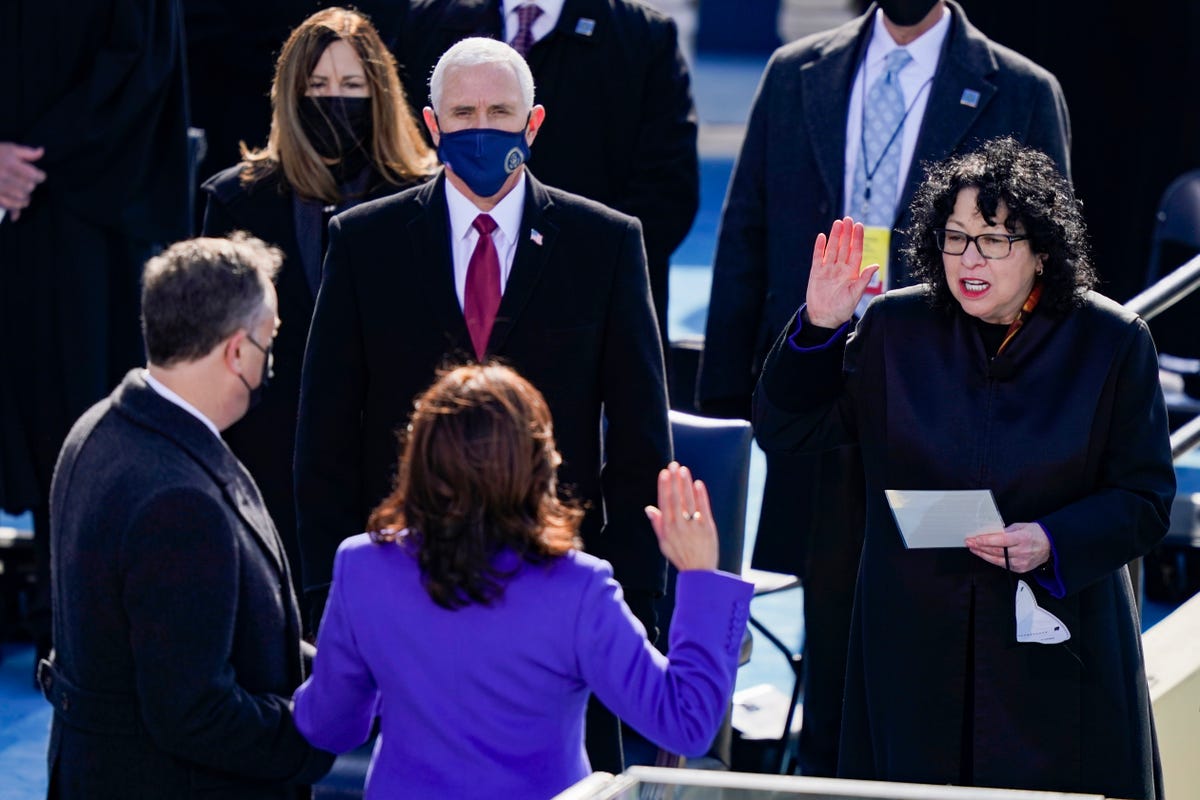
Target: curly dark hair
(477, 476)
(1035, 195)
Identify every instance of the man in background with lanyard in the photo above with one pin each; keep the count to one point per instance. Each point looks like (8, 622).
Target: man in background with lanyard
(841, 124)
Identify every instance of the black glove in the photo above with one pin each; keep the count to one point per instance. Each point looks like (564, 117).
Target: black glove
(641, 603)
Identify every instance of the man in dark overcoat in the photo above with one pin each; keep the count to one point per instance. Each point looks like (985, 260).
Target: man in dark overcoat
(567, 305)
(623, 131)
(176, 629)
(790, 182)
(93, 179)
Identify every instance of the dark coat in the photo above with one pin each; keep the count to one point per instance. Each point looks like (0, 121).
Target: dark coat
(786, 188)
(100, 85)
(620, 123)
(265, 439)
(575, 319)
(177, 634)
(1068, 429)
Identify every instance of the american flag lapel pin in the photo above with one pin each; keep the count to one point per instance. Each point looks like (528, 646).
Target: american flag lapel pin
(535, 236)
(970, 98)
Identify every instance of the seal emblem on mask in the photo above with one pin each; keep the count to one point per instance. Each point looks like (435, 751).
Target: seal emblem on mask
(513, 160)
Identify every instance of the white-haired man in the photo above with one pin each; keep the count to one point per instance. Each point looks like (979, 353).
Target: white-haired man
(484, 262)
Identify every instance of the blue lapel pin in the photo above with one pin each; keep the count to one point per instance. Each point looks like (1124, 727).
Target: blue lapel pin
(585, 26)
(969, 98)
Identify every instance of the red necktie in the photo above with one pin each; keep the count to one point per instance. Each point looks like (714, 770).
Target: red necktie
(482, 296)
(526, 15)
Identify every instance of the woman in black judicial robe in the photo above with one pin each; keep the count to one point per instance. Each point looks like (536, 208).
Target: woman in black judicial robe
(341, 133)
(1002, 372)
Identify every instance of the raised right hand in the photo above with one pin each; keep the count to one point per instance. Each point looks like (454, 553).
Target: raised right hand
(18, 176)
(683, 520)
(835, 283)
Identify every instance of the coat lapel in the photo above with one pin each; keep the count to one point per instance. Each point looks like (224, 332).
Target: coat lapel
(535, 243)
(826, 83)
(966, 65)
(464, 18)
(432, 267)
(138, 401)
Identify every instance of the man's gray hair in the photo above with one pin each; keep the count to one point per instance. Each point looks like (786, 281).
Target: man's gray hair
(198, 292)
(473, 52)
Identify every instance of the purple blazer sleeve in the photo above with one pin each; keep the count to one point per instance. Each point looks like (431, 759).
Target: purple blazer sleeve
(338, 702)
(677, 703)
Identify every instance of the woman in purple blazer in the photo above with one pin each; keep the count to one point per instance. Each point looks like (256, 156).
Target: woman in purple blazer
(474, 627)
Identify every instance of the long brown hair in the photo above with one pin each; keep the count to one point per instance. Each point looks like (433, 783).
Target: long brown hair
(477, 476)
(398, 152)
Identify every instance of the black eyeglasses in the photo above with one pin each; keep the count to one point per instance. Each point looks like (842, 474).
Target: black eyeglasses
(266, 351)
(989, 245)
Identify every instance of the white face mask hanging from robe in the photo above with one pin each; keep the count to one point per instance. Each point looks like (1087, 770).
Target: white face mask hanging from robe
(1034, 623)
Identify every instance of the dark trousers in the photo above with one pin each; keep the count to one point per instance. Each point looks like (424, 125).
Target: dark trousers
(812, 525)
(602, 736)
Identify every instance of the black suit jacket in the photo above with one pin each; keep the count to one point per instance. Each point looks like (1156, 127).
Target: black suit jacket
(620, 122)
(575, 319)
(265, 439)
(176, 631)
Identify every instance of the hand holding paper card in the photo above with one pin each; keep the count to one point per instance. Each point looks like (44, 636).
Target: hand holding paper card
(943, 518)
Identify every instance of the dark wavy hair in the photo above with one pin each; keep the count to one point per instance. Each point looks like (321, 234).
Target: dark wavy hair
(1036, 197)
(477, 476)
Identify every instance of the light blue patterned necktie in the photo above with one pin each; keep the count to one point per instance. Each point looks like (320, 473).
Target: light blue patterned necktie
(877, 172)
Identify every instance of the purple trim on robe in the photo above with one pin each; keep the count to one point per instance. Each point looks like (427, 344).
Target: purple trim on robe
(1047, 575)
(795, 339)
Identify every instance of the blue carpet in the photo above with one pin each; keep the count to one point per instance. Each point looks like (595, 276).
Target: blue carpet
(24, 727)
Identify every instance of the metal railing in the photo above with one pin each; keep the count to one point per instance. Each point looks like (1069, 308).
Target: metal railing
(1166, 292)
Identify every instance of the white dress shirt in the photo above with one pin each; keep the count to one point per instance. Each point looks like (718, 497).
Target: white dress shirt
(915, 82)
(463, 236)
(162, 391)
(551, 11)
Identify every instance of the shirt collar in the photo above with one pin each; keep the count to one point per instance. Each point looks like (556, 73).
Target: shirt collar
(162, 391)
(507, 213)
(925, 49)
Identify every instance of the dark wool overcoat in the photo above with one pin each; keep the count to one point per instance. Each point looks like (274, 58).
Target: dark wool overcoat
(265, 439)
(177, 633)
(1068, 429)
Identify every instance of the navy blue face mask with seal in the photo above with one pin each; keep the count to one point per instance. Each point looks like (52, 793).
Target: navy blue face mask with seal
(484, 157)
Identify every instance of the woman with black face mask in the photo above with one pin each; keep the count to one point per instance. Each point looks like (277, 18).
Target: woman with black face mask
(341, 133)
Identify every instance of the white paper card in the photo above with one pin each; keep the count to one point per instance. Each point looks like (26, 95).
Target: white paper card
(943, 518)
(1034, 623)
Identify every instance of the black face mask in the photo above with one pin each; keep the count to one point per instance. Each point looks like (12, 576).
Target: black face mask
(339, 128)
(906, 12)
(268, 372)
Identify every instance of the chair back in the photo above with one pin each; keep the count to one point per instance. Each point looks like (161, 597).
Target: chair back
(717, 451)
(1175, 240)
(1177, 222)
